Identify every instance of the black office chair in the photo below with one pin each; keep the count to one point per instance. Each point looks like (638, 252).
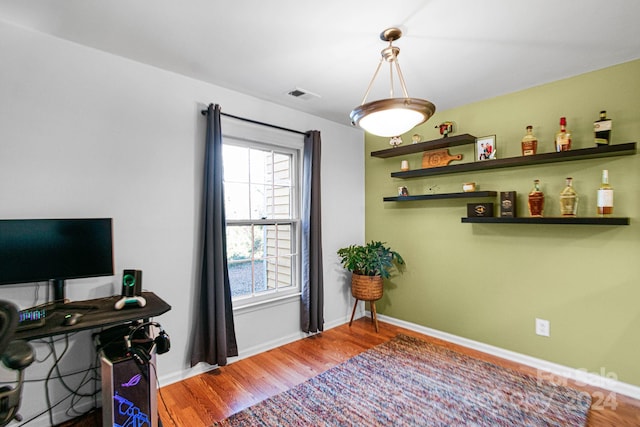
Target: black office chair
(15, 355)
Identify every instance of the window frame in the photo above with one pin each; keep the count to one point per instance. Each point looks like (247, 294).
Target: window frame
(284, 143)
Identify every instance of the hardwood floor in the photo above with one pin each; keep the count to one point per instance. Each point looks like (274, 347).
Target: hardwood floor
(209, 397)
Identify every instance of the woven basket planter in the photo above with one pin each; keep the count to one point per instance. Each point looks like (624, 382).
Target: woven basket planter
(366, 288)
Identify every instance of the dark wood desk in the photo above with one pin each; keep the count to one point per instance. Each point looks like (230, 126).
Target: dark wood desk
(97, 313)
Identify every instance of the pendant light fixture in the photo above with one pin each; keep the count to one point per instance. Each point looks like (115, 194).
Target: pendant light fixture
(392, 116)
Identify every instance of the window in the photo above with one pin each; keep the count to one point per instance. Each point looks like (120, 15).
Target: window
(261, 184)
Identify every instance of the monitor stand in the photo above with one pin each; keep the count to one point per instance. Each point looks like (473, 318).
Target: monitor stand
(59, 301)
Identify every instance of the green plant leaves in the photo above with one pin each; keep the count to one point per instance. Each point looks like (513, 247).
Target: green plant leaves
(372, 259)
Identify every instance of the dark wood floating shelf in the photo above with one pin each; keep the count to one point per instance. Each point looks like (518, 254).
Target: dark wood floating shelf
(625, 149)
(465, 195)
(450, 141)
(549, 220)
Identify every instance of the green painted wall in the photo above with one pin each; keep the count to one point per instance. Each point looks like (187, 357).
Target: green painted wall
(489, 282)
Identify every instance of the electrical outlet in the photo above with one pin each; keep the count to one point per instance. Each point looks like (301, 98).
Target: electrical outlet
(543, 327)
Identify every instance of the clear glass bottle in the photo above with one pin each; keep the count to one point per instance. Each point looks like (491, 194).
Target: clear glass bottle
(563, 137)
(605, 195)
(536, 200)
(602, 129)
(529, 143)
(568, 199)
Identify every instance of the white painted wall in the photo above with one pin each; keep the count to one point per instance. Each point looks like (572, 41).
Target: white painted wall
(84, 133)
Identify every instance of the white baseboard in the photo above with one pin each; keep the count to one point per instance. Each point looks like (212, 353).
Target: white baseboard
(580, 376)
(203, 367)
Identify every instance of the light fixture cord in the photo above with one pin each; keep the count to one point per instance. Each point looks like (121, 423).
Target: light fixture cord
(401, 78)
(391, 59)
(391, 79)
(371, 82)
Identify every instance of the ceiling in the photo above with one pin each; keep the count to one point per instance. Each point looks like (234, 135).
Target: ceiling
(453, 52)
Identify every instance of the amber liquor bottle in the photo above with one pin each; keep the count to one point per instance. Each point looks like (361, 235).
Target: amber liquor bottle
(605, 195)
(602, 129)
(536, 200)
(563, 137)
(529, 143)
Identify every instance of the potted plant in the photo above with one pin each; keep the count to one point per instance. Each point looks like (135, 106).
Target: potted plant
(369, 263)
(371, 259)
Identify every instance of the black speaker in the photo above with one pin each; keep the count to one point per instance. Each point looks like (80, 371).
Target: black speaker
(131, 283)
(162, 342)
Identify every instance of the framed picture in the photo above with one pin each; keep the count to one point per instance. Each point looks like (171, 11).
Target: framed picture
(486, 148)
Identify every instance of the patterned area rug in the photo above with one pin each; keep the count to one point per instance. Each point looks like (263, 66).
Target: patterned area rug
(409, 382)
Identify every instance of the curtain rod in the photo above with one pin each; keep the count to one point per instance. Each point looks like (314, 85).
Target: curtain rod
(205, 112)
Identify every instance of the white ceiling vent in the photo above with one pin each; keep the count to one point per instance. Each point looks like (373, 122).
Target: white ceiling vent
(302, 94)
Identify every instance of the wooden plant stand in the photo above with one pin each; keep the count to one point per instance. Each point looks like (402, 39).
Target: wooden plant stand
(366, 288)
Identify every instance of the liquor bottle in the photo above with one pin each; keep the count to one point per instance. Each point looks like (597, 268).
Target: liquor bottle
(563, 137)
(529, 143)
(568, 199)
(536, 200)
(602, 129)
(605, 195)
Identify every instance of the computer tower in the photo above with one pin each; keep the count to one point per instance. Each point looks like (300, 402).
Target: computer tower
(129, 391)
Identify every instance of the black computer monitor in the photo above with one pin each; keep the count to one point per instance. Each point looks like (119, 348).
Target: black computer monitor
(35, 250)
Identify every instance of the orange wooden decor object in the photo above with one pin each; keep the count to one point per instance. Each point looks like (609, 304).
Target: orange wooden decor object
(436, 158)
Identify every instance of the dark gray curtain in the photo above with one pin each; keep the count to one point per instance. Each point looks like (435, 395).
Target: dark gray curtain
(214, 334)
(312, 287)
